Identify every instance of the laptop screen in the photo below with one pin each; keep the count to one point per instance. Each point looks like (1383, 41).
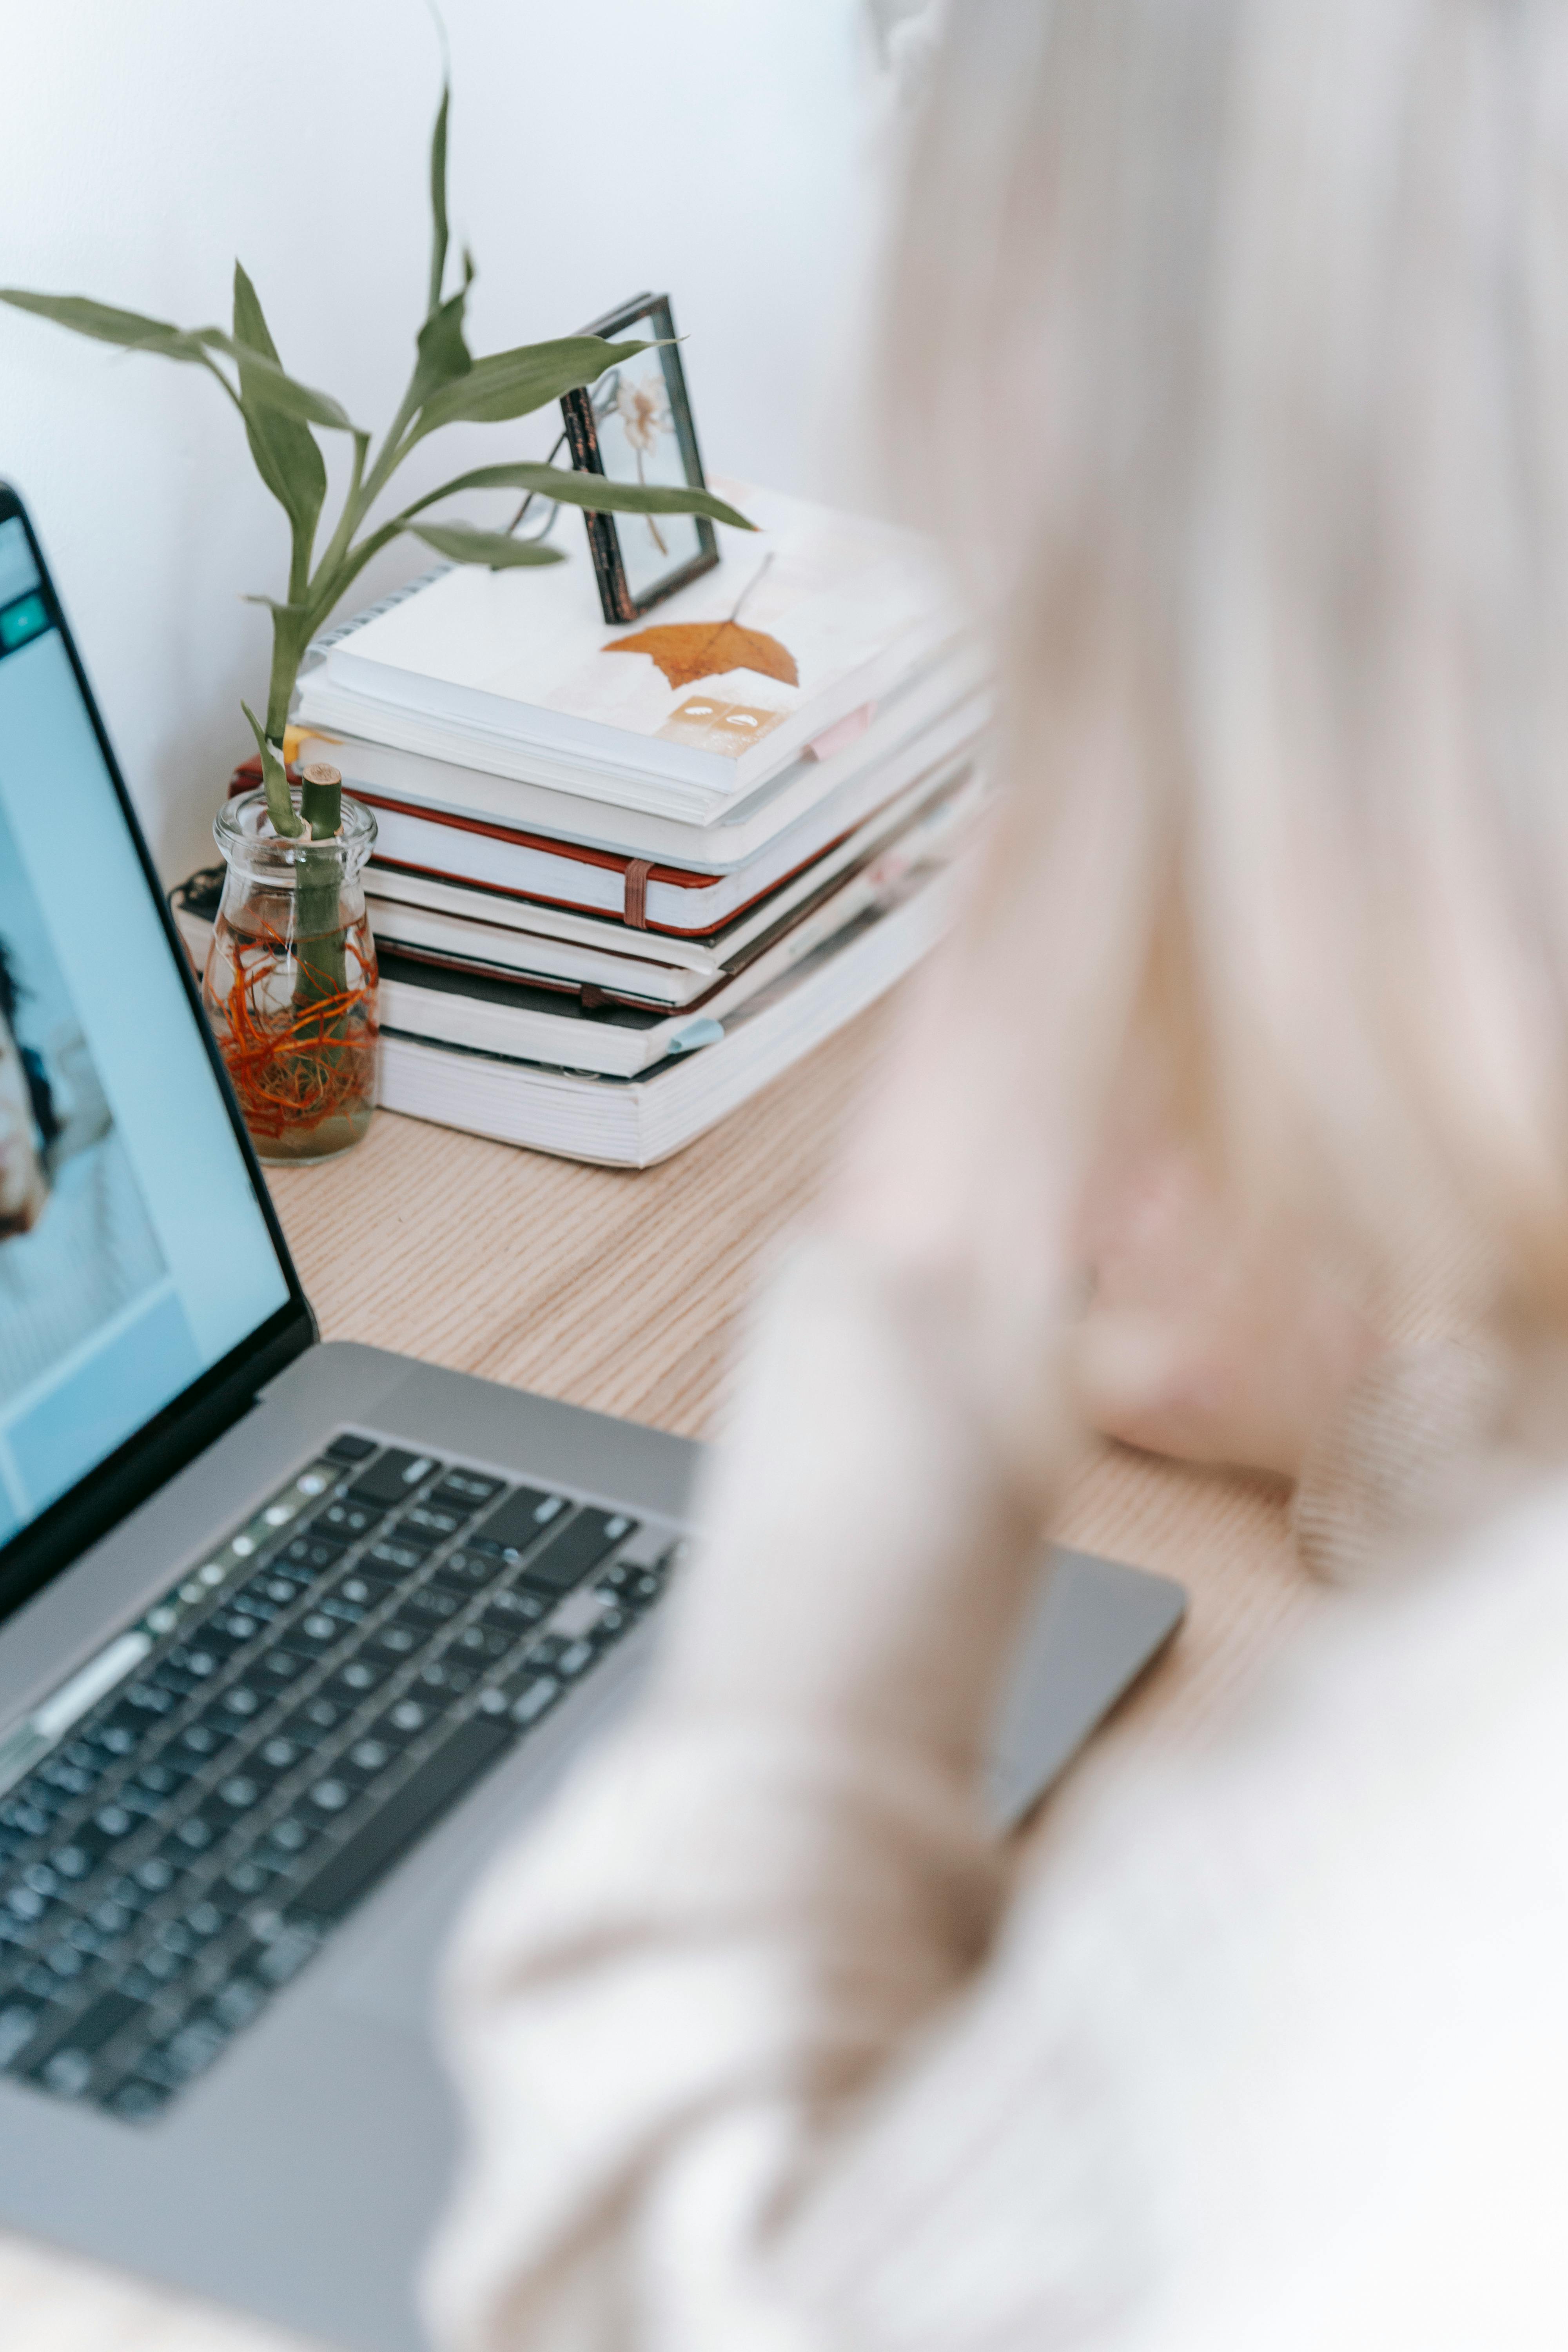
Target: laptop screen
(133, 1253)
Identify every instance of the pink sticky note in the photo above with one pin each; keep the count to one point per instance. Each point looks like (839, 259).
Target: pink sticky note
(844, 733)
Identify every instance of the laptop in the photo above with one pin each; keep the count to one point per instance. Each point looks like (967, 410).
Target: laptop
(292, 1635)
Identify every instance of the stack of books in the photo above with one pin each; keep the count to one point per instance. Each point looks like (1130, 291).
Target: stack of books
(626, 876)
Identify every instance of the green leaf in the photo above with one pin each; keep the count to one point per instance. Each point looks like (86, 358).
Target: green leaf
(280, 808)
(443, 353)
(514, 383)
(594, 491)
(438, 199)
(459, 542)
(287, 457)
(273, 388)
(127, 329)
(133, 333)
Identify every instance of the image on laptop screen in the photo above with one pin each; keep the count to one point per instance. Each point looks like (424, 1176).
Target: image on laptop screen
(133, 1255)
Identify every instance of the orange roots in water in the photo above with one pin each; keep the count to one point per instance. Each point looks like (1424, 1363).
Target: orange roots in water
(293, 1063)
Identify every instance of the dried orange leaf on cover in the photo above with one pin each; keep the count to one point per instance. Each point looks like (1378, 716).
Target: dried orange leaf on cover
(688, 650)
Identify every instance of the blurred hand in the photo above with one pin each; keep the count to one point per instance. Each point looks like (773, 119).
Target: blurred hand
(1203, 1339)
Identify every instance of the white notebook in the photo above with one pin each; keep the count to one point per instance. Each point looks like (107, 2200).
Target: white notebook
(812, 617)
(564, 799)
(633, 1122)
(437, 846)
(455, 927)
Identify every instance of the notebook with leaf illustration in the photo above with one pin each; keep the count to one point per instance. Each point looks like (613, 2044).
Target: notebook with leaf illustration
(802, 625)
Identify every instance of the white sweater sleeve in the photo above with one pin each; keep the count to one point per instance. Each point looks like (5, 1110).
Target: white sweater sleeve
(1273, 2054)
(741, 1913)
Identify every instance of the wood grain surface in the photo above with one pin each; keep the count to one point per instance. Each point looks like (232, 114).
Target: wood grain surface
(620, 1290)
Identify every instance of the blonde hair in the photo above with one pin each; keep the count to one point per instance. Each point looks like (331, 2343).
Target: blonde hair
(1229, 347)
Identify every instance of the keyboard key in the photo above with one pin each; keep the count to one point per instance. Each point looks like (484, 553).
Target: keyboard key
(193, 2049)
(580, 1545)
(234, 1627)
(317, 1633)
(447, 1677)
(25, 1904)
(428, 1605)
(316, 1721)
(239, 2003)
(240, 1792)
(440, 1780)
(520, 1520)
(392, 1644)
(482, 1644)
(464, 1490)
(353, 1682)
(117, 1735)
(128, 1893)
(156, 1782)
(354, 1596)
(187, 1838)
(93, 1838)
(137, 2100)
(285, 1953)
(273, 1671)
(200, 1659)
(392, 1478)
(242, 1882)
(396, 1551)
(312, 1554)
(84, 2035)
(403, 1722)
(292, 1835)
(513, 1613)
(348, 1447)
(242, 1700)
(175, 1678)
(432, 1521)
(366, 1761)
(266, 1594)
(19, 2020)
(470, 1571)
(344, 1522)
(200, 1742)
(531, 1695)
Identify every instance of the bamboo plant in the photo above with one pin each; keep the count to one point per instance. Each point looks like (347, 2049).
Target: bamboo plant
(283, 418)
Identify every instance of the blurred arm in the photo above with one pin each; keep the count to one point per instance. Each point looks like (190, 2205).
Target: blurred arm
(745, 1909)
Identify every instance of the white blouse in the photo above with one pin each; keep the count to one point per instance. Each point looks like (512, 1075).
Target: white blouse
(761, 2051)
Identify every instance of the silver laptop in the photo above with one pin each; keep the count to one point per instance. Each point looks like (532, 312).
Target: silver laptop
(293, 1635)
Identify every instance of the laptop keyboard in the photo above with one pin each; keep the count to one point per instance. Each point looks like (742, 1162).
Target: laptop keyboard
(186, 1821)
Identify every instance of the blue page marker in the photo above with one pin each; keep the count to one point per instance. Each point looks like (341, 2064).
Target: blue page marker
(695, 1033)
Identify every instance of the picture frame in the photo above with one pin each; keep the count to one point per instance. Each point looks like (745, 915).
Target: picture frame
(634, 424)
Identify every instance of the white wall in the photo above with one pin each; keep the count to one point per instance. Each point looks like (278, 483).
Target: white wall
(723, 149)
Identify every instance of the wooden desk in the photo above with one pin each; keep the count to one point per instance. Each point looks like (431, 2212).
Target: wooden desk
(619, 1291)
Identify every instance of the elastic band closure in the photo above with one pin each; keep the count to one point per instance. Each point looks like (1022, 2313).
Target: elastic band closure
(637, 873)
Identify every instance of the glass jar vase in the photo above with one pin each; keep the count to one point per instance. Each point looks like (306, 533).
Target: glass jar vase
(290, 982)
